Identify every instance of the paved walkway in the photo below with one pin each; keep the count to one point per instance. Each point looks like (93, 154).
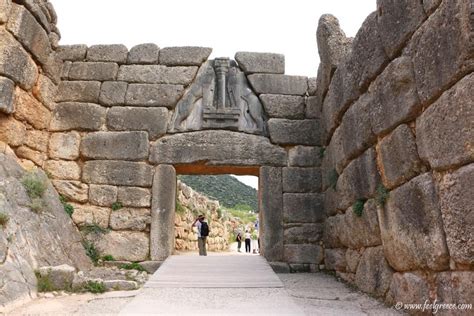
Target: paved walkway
(213, 285)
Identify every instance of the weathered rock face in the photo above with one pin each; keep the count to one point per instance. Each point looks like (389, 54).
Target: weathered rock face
(31, 239)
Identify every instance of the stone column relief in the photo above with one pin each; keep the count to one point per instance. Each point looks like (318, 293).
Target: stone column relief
(219, 98)
(163, 212)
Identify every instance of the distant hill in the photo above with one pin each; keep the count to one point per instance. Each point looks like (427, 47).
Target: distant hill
(229, 191)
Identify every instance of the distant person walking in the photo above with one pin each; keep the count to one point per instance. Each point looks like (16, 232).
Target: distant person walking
(203, 232)
(248, 239)
(239, 241)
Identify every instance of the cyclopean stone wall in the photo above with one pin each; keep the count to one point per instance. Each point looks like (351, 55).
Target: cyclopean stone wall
(397, 106)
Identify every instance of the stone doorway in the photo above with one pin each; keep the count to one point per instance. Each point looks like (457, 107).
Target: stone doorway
(164, 199)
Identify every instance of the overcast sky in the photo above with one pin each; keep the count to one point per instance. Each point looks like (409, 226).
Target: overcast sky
(286, 27)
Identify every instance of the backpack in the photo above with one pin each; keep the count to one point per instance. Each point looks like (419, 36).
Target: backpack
(204, 229)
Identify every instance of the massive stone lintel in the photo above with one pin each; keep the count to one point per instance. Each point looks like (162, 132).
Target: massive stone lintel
(220, 98)
(217, 148)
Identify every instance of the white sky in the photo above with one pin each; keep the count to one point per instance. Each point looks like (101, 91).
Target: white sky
(286, 27)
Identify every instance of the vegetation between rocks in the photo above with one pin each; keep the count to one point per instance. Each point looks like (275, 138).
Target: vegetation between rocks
(35, 188)
(116, 206)
(358, 207)
(68, 208)
(132, 266)
(95, 287)
(4, 218)
(44, 283)
(91, 251)
(381, 195)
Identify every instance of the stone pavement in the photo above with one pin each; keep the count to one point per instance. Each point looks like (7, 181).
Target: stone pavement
(213, 285)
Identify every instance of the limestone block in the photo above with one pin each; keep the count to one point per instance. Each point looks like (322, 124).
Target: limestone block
(130, 219)
(153, 94)
(7, 95)
(303, 208)
(271, 199)
(117, 173)
(143, 54)
(12, 132)
(63, 170)
(397, 21)
(151, 266)
(45, 91)
(335, 259)
(123, 245)
(451, 143)
(37, 140)
(40, 12)
(442, 55)
(331, 198)
(113, 93)
(359, 180)
(409, 288)
(303, 253)
(72, 52)
(80, 91)
(217, 148)
(115, 145)
(312, 86)
(352, 260)
(89, 215)
(304, 156)
(163, 212)
(53, 67)
(261, 62)
(114, 53)
(301, 132)
(37, 157)
(28, 31)
(354, 135)
(430, 5)
(368, 56)
(184, 56)
(5, 7)
(455, 197)
(283, 106)
(134, 197)
(333, 48)
(80, 116)
(397, 100)
(75, 191)
(278, 84)
(64, 145)
(157, 74)
(65, 71)
(411, 227)
(455, 288)
(120, 285)
(398, 157)
(28, 109)
(15, 63)
(97, 71)
(303, 233)
(152, 120)
(373, 274)
(336, 102)
(332, 229)
(301, 180)
(313, 108)
(102, 195)
(60, 277)
(360, 231)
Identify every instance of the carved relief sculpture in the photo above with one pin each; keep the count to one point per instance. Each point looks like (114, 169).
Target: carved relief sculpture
(220, 98)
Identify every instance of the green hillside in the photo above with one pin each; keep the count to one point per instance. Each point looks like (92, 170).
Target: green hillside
(229, 191)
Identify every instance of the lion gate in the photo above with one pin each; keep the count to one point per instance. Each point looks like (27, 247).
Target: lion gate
(142, 116)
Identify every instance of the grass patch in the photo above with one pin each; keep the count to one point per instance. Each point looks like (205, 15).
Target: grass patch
(358, 207)
(35, 187)
(116, 206)
(4, 218)
(180, 209)
(132, 266)
(91, 251)
(333, 176)
(44, 283)
(68, 208)
(381, 195)
(37, 205)
(94, 287)
(108, 258)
